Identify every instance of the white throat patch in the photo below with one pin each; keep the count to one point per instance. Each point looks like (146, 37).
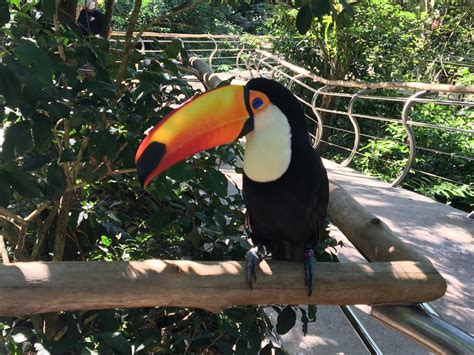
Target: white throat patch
(268, 147)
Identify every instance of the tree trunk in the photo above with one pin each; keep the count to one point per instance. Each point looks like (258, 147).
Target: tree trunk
(109, 10)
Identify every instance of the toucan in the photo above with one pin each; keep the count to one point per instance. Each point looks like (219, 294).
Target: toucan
(285, 184)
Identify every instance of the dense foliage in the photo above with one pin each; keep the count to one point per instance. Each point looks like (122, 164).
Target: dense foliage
(206, 17)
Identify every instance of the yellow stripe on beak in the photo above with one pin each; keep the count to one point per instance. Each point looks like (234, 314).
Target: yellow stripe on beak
(214, 118)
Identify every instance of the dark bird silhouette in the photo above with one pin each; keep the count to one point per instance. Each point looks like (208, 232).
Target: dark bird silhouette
(285, 183)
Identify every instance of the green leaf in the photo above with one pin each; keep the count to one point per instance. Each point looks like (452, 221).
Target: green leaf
(117, 342)
(33, 90)
(56, 182)
(4, 12)
(17, 3)
(101, 88)
(9, 86)
(304, 19)
(23, 183)
(103, 144)
(286, 320)
(147, 337)
(29, 53)
(30, 4)
(47, 6)
(159, 220)
(34, 162)
(172, 50)
(5, 189)
(170, 66)
(237, 314)
(42, 131)
(248, 320)
(181, 172)
(226, 82)
(67, 156)
(21, 334)
(319, 8)
(214, 181)
(105, 240)
(17, 140)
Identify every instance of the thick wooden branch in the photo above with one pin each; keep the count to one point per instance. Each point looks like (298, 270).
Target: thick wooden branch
(37, 287)
(370, 235)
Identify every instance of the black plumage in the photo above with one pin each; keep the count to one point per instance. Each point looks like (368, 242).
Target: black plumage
(287, 215)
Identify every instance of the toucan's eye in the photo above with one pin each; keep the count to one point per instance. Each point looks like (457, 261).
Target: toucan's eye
(257, 103)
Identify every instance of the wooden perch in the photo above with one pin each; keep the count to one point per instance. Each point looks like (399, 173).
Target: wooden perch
(37, 287)
(372, 237)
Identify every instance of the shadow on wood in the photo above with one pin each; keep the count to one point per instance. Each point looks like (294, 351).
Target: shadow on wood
(37, 287)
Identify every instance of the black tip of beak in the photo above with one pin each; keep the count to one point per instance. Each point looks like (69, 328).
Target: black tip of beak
(149, 160)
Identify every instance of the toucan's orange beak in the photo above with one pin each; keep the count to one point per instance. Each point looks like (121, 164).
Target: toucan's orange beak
(214, 118)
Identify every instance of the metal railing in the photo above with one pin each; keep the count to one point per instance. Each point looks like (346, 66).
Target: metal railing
(331, 111)
(222, 52)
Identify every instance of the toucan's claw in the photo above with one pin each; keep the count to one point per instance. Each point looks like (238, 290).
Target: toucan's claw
(253, 258)
(309, 266)
(251, 266)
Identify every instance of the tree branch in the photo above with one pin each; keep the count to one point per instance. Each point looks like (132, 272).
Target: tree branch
(37, 211)
(20, 253)
(11, 217)
(9, 231)
(128, 46)
(62, 54)
(211, 285)
(43, 232)
(109, 10)
(3, 251)
(62, 224)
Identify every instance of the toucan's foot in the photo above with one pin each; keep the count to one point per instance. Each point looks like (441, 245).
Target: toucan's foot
(254, 256)
(309, 266)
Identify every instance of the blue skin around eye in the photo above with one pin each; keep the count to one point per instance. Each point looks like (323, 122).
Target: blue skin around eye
(256, 103)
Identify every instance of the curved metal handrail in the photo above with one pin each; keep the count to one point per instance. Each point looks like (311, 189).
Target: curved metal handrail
(211, 56)
(355, 125)
(292, 81)
(239, 54)
(319, 133)
(259, 64)
(411, 138)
